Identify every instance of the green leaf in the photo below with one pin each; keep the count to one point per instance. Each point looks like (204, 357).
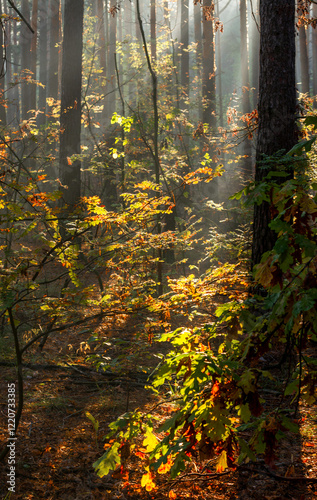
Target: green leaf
(292, 388)
(306, 303)
(109, 461)
(311, 120)
(245, 413)
(298, 148)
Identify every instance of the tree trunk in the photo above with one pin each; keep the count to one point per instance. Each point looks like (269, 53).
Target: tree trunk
(33, 54)
(153, 29)
(54, 40)
(209, 70)
(245, 81)
(304, 64)
(111, 78)
(314, 55)
(25, 40)
(255, 51)
(2, 75)
(219, 72)
(184, 52)
(43, 46)
(70, 118)
(15, 95)
(277, 103)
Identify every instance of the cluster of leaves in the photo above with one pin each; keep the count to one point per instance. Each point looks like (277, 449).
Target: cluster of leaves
(214, 375)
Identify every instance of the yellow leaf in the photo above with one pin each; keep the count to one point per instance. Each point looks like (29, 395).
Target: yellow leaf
(222, 463)
(150, 441)
(147, 482)
(172, 495)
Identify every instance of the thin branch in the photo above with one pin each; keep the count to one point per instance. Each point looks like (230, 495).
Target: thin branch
(21, 16)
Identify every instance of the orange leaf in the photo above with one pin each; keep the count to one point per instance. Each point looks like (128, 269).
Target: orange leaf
(172, 495)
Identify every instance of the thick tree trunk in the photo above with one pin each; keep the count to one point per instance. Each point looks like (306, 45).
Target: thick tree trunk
(70, 119)
(277, 103)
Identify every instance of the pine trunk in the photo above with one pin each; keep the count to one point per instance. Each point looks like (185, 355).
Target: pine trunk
(277, 103)
(70, 118)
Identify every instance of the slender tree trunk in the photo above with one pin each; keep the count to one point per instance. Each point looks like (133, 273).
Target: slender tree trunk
(255, 51)
(314, 55)
(304, 64)
(277, 103)
(102, 36)
(16, 102)
(209, 85)
(33, 54)
(111, 79)
(102, 43)
(184, 52)
(25, 40)
(70, 118)
(209, 69)
(54, 49)
(245, 80)
(43, 51)
(3, 120)
(153, 29)
(219, 72)
(166, 13)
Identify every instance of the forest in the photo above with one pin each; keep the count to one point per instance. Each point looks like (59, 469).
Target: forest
(158, 250)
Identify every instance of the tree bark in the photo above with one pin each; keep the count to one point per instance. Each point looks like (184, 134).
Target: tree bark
(43, 46)
(314, 54)
(33, 54)
(153, 29)
(304, 64)
(111, 77)
(277, 103)
(255, 53)
(54, 39)
(245, 81)
(184, 52)
(25, 40)
(2, 75)
(209, 69)
(70, 118)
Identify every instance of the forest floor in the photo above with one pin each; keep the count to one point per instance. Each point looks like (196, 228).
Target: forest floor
(57, 445)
